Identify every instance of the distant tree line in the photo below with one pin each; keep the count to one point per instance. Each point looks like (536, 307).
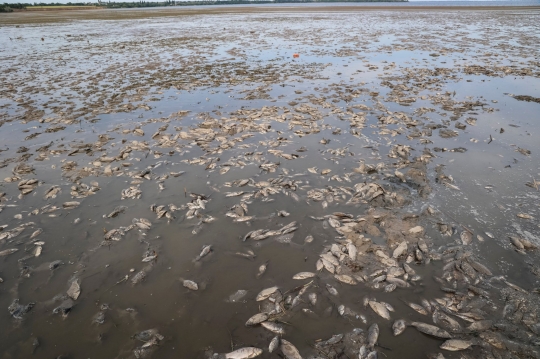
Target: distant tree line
(9, 7)
(22, 6)
(117, 5)
(134, 4)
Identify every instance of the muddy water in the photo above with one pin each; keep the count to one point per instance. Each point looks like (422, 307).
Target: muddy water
(220, 98)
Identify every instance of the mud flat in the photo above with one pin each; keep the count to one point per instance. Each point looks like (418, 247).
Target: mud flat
(270, 182)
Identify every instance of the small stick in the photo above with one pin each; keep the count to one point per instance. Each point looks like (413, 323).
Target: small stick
(452, 218)
(382, 346)
(230, 336)
(490, 139)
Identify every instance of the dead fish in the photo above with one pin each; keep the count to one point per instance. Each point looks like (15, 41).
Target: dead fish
(74, 290)
(480, 268)
(343, 278)
(480, 325)
(417, 307)
(431, 330)
(274, 343)
(257, 319)
(236, 296)
(331, 289)
(262, 269)
(244, 353)
(399, 327)
(352, 251)
(36, 233)
(517, 243)
(118, 210)
(7, 252)
(37, 251)
(398, 282)
(363, 352)
(249, 255)
(189, 284)
(466, 237)
(372, 355)
(266, 293)
(373, 335)
(524, 216)
(312, 297)
(52, 192)
(289, 350)
(205, 250)
(304, 275)
(243, 219)
(456, 344)
(273, 327)
(407, 268)
(400, 249)
(71, 205)
(446, 321)
(388, 306)
(380, 309)
(426, 305)
(149, 256)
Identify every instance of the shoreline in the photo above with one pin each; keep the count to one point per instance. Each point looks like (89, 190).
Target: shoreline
(36, 16)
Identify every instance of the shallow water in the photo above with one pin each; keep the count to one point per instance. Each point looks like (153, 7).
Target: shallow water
(236, 74)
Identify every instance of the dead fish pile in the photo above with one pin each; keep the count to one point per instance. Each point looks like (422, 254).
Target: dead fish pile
(282, 233)
(370, 239)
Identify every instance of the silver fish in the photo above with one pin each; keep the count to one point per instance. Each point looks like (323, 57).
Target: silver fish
(265, 293)
(466, 237)
(262, 269)
(236, 296)
(331, 289)
(417, 307)
(244, 353)
(274, 343)
(380, 309)
(289, 350)
(399, 327)
(304, 275)
(343, 278)
(456, 344)
(205, 250)
(312, 298)
(273, 327)
(400, 249)
(257, 319)
(189, 284)
(431, 330)
(7, 252)
(373, 335)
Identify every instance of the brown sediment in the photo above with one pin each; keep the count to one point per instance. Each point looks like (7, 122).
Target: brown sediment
(23, 17)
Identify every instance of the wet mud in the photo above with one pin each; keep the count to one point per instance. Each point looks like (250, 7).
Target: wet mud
(185, 186)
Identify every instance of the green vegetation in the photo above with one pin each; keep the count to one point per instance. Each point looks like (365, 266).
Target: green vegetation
(29, 6)
(11, 7)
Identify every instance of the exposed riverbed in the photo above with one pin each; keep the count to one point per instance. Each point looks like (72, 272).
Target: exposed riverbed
(150, 166)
